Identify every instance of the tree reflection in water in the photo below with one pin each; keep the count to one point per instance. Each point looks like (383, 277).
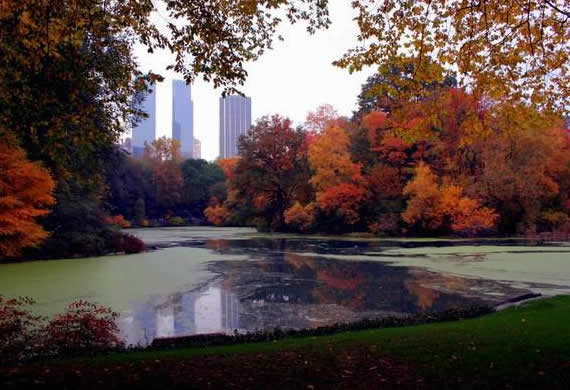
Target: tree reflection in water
(278, 287)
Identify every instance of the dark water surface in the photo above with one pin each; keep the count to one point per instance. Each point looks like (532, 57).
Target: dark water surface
(221, 280)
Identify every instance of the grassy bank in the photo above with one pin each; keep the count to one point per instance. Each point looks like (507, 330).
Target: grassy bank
(523, 347)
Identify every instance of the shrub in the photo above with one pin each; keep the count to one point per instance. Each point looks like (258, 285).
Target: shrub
(299, 217)
(19, 329)
(176, 221)
(387, 224)
(84, 327)
(554, 220)
(127, 243)
(144, 222)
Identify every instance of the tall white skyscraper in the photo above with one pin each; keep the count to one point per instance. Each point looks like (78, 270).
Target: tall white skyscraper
(197, 149)
(235, 120)
(145, 130)
(183, 117)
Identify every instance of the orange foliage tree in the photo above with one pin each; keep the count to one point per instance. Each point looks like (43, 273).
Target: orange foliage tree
(467, 216)
(423, 206)
(118, 220)
(218, 215)
(330, 159)
(25, 194)
(229, 165)
(434, 207)
(338, 180)
(299, 217)
(164, 157)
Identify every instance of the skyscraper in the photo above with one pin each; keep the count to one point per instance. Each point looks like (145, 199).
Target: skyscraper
(183, 117)
(197, 148)
(145, 130)
(235, 120)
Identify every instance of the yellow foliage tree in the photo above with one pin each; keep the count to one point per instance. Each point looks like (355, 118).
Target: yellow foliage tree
(504, 49)
(25, 194)
(424, 200)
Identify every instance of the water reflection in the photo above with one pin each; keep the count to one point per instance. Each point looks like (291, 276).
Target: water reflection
(211, 310)
(277, 287)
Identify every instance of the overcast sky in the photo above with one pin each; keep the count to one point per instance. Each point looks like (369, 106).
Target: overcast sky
(291, 80)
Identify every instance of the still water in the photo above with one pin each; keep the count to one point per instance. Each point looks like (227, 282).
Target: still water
(204, 280)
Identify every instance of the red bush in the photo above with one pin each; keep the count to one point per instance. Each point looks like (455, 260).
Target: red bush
(84, 327)
(19, 329)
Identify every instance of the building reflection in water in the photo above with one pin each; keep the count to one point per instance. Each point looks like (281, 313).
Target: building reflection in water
(282, 286)
(212, 310)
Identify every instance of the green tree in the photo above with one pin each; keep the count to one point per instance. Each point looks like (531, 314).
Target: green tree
(139, 211)
(199, 178)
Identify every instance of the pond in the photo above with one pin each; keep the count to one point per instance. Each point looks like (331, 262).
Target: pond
(207, 280)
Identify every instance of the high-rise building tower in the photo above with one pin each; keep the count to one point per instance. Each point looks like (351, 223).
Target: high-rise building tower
(235, 120)
(145, 131)
(197, 149)
(183, 117)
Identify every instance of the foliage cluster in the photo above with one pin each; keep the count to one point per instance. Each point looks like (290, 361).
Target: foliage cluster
(162, 189)
(70, 83)
(83, 327)
(446, 161)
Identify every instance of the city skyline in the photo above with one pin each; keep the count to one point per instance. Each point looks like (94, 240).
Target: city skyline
(276, 83)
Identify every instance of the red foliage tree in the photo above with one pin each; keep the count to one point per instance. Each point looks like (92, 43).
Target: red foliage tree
(342, 200)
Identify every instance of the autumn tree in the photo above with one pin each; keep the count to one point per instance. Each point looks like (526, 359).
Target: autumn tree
(299, 217)
(521, 164)
(25, 194)
(330, 159)
(398, 82)
(69, 83)
(434, 207)
(425, 196)
(502, 49)
(272, 169)
(228, 166)
(164, 156)
(337, 180)
(218, 215)
(466, 216)
(318, 120)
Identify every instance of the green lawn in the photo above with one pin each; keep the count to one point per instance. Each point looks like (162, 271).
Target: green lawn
(522, 347)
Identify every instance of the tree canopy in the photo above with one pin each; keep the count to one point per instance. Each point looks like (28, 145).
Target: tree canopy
(501, 49)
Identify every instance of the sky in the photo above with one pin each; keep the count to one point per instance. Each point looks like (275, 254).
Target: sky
(292, 79)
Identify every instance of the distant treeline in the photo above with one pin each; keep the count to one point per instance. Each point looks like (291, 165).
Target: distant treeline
(161, 188)
(441, 162)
